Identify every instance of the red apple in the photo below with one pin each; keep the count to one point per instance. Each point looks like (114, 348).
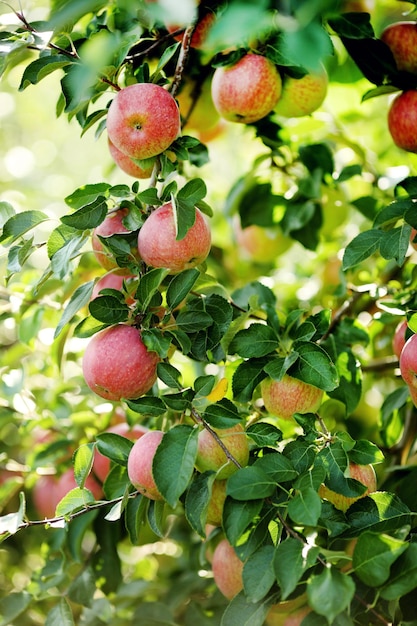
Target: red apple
(402, 120)
(401, 38)
(111, 280)
(259, 244)
(201, 30)
(216, 503)
(247, 90)
(289, 395)
(127, 165)
(143, 120)
(398, 340)
(139, 464)
(111, 225)
(227, 569)
(365, 474)
(117, 364)
(408, 366)
(159, 247)
(302, 96)
(101, 465)
(211, 456)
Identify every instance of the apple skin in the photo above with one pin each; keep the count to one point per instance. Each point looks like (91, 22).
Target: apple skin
(287, 613)
(402, 120)
(111, 225)
(289, 395)
(116, 363)
(262, 245)
(210, 455)
(398, 340)
(412, 237)
(143, 120)
(216, 503)
(49, 490)
(365, 474)
(408, 366)
(158, 246)
(401, 38)
(227, 569)
(101, 463)
(204, 115)
(111, 280)
(126, 164)
(139, 464)
(246, 91)
(200, 33)
(302, 96)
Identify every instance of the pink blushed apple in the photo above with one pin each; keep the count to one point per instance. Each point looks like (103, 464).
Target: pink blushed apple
(158, 245)
(127, 165)
(143, 120)
(111, 280)
(101, 464)
(402, 120)
(408, 366)
(302, 96)
(289, 395)
(247, 90)
(116, 363)
(111, 225)
(139, 464)
(211, 456)
(365, 474)
(227, 569)
(401, 38)
(398, 340)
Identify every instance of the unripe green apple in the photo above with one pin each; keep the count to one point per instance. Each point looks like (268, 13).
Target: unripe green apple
(398, 340)
(262, 245)
(216, 503)
(117, 364)
(159, 247)
(408, 366)
(111, 225)
(227, 569)
(143, 120)
(101, 463)
(127, 165)
(211, 456)
(365, 474)
(289, 395)
(139, 464)
(247, 90)
(402, 120)
(401, 38)
(302, 96)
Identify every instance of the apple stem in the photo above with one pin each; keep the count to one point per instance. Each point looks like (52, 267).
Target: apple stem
(200, 420)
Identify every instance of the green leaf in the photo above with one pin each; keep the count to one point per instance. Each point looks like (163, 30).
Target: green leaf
(83, 462)
(373, 556)
(276, 466)
(243, 612)
(222, 414)
(330, 592)
(87, 194)
(185, 217)
(135, 517)
(35, 71)
(169, 375)
(114, 446)
(88, 216)
(247, 377)
(74, 500)
(365, 452)
(197, 499)
(12, 605)
(60, 615)
(173, 463)
(314, 366)
(193, 191)
(380, 512)
(19, 224)
(166, 56)
(250, 483)
(256, 341)
(264, 434)
(6, 212)
(80, 297)
(83, 587)
(60, 261)
(403, 577)
(157, 341)
(237, 516)
(305, 507)
(149, 285)
(395, 242)
(149, 406)
(300, 555)
(361, 247)
(180, 286)
(258, 574)
(109, 310)
(11, 522)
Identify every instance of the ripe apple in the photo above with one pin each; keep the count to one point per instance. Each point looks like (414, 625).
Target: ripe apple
(365, 474)
(398, 340)
(111, 280)
(412, 238)
(201, 30)
(101, 464)
(302, 96)
(289, 395)
(262, 245)
(117, 364)
(49, 490)
(143, 120)
(288, 612)
(247, 90)
(408, 366)
(227, 569)
(216, 503)
(159, 247)
(211, 456)
(204, 115)
(139, 464)
(401, 38)
(402, 120)
(111, 225)
(127, 165)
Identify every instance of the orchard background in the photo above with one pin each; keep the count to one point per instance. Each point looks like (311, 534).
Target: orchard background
(317, 296)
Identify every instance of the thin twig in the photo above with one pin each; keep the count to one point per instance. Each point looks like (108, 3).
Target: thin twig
(200, 420)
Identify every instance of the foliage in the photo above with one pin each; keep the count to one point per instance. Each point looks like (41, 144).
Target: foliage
(324, 311)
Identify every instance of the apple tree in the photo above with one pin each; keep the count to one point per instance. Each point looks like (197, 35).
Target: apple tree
(208, 312)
